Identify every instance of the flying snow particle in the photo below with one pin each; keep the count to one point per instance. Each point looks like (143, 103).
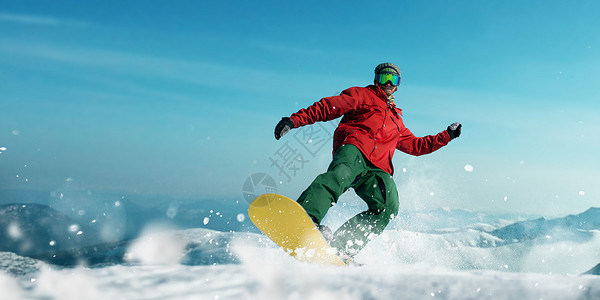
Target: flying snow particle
(581, 193)
(206, 219)
(16, 132)
(117, 203)
(52, 243)
(468, 168)
(240, 218)
(172, 211)
(2, 148)
(14, 231)
(156, 248)
(73, 228)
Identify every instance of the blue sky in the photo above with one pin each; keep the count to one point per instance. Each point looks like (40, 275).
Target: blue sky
(180, 98)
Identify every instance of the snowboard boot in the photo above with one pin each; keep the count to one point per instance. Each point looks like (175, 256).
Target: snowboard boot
(326, 232)
(348, 259)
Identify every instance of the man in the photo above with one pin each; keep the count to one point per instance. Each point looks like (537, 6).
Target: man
(363, 146)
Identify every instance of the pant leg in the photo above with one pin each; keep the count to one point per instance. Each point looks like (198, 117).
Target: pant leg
(378, 189)
(347, 165)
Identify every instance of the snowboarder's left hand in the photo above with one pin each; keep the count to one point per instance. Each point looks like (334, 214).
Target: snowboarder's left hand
(283, 127)
(454, 130)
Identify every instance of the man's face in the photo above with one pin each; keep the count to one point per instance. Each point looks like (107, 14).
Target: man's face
(388, 88)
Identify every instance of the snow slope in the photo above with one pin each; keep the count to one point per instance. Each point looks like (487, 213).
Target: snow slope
(264, 272)
(484, 258)
(262, 280)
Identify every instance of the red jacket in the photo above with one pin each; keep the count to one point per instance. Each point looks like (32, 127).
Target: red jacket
(371, 124)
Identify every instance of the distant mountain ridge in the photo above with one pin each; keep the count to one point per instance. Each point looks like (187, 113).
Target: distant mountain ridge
(445, 219)
(594, 271)
(571, 227)
(34, 229)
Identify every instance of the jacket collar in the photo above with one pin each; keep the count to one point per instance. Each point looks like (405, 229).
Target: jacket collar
(378, 91)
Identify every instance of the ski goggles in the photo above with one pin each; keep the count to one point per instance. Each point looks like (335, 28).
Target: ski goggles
(384, 78)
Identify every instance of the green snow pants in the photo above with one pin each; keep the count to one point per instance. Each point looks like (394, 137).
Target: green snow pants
(349, 169)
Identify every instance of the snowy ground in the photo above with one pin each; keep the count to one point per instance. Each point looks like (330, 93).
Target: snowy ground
(467, 256)
(256, 269)
(261, 280)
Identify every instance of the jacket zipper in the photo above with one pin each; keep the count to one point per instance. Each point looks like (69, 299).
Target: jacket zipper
(382, 127)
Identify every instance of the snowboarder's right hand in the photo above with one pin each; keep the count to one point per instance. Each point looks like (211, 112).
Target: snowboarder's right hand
(283, 127)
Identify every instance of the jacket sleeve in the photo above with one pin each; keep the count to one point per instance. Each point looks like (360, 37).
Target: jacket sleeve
(410, 144)
(327, 109)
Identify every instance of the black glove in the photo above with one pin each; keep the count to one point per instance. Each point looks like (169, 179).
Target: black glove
(454, 130)
(283, 127)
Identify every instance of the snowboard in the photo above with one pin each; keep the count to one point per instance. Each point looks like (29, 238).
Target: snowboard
(286, 223)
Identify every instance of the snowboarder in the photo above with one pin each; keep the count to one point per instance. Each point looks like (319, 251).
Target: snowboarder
(363, 145)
